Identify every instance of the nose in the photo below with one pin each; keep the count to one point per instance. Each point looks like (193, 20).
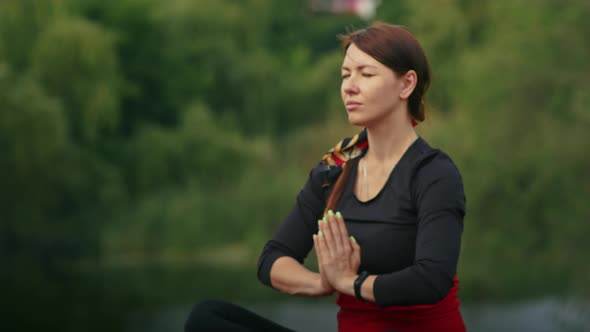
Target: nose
(349, 86)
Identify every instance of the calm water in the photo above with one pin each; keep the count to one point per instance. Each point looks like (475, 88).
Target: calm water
(541, 315)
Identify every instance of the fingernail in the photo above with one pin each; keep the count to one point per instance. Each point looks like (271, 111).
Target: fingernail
(353, 239)
(319, 222)
(320, 233)
(325, 220)
(330, 213)
(314, 236)
(338, 215)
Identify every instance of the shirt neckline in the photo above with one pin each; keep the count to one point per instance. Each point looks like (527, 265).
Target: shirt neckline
(352, 183)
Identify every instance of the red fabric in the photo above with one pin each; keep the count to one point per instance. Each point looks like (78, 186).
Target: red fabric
(337, 160)
(363, 144)
(355, 315)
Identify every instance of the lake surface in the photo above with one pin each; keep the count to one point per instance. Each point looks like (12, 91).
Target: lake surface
(540, 315)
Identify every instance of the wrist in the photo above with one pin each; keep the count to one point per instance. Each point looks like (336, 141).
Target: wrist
(346, 284)
(319, 287)
(358, 283)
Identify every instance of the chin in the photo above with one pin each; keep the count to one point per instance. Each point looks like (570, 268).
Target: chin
(357, 120)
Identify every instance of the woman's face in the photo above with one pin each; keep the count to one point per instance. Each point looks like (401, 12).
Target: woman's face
(370, 90)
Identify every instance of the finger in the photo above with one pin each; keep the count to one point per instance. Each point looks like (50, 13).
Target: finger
(356, 249)
(328, 238)
(322, 247)
(356, 252)
(316, 245)
(335, 232)
(342, 229)
(316, 241)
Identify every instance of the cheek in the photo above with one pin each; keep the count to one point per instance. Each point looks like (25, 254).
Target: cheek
(380, 93)
(390, 91)
(383, 99)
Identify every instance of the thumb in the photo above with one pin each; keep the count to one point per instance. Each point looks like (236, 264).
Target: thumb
(355, 246)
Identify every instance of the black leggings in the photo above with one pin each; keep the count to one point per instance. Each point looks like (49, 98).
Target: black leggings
(222, 316)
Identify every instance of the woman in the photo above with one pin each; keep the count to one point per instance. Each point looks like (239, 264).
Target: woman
(390, 207)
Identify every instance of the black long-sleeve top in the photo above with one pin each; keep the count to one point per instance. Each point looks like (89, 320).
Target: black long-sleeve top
(409, 233)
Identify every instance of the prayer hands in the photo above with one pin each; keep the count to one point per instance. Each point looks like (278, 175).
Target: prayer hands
(339, 256)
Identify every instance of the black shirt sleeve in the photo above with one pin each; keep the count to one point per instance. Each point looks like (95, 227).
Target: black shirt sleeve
(440, 202)
(294, 236)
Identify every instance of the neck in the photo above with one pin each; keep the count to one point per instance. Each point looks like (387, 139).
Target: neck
(390, 138)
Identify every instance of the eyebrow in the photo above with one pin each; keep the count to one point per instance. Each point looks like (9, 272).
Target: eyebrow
(358, 67)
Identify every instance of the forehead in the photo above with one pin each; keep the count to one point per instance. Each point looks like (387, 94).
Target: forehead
(354, 57)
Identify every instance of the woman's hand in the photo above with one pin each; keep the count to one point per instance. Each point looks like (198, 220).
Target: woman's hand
(325, 287)
(339, 256)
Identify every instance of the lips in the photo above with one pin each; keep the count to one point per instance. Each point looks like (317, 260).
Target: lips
(352, 105)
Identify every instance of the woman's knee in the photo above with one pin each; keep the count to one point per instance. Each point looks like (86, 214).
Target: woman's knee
(204, 313)
(210, 306)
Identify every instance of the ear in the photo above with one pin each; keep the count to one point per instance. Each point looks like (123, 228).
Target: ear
(408, 82)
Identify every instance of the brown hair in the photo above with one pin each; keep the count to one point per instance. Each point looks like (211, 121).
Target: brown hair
(339, 185)
(395, 47)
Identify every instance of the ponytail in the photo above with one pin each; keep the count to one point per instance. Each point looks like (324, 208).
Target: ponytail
(340, 185)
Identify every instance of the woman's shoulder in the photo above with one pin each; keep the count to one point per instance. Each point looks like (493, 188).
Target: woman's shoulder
(433, 163)
(436, 176)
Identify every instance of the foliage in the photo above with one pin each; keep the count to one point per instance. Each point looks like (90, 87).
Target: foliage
(165, 132)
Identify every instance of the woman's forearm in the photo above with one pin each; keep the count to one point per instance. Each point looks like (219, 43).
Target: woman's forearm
(289, 276)
(347, 287)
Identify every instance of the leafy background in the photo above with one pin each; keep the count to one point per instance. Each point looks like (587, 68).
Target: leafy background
(150, 148)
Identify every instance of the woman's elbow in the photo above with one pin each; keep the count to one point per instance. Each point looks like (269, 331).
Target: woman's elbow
(435, 288)
(263, 271)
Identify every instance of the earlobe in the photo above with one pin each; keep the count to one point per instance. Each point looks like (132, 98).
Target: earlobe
(409, 81)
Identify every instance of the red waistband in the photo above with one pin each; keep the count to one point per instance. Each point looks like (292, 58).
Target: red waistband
(448, 304)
